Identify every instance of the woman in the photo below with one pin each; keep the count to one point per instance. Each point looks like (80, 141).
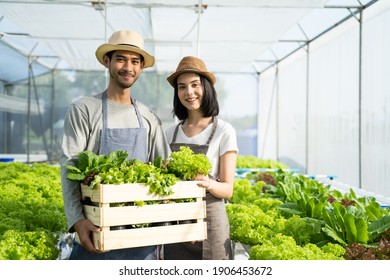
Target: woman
(195, 104)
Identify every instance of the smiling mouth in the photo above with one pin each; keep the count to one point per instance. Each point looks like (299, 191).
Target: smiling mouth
(126, 74)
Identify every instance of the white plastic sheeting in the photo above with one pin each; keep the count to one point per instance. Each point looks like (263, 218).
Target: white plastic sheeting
(333, 102)
(375, 104)
(229, 35)
(18, 105)
(292, 123)
(320, 114)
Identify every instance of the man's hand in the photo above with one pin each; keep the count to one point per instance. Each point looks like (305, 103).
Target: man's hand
(84, 228)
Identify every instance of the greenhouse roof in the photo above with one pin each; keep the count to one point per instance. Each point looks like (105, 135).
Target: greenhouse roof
(243, 36)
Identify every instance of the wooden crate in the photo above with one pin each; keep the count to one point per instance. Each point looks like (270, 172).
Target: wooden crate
(178, 214)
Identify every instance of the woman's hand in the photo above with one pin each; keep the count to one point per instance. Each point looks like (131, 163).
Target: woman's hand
(205, 181)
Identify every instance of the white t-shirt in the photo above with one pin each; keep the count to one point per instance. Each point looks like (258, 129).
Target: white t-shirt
(224, 140)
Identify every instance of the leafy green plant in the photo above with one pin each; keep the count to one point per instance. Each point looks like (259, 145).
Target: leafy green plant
(114, 168)
(158, 180)
(249, 161)
(90, 163)
(360, 222)
(283, 247)
(32, 215)
(346, 217)
(245, 192)
(250, 225)
(311, 214)
(380, 250)
(28, 245)
(303, 230)
(185, 164)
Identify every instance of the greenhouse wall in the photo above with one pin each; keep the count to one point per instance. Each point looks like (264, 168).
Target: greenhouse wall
(333, 104)
(376, 103)
(267, 132)
(292, 103)
(323, 109)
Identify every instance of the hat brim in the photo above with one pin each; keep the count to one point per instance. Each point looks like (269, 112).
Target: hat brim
(105, 48)
(209, 76)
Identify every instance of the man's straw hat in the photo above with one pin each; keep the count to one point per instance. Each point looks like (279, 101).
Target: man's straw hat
(126, 41)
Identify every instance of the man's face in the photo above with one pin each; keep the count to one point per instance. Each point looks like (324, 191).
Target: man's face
(124, 67)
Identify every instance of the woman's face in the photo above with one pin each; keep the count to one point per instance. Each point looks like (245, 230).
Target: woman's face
(190, 91)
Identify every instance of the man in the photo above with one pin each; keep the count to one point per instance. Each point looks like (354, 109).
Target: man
(106, 122)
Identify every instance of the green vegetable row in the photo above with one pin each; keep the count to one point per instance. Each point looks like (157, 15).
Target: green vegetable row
(31, 211)
(305, 214)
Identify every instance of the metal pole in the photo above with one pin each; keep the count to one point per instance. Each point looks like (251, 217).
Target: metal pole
(7, 126)
(30, 69)
(360, 94)
(29, 108)
(258, 151)
(51, 149)
(198, 36)
(40, 114)
(307, 110)
(105, 37)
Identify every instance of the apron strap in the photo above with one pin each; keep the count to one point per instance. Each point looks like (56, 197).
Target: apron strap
(214, 129)
(104, 110)
(176, 130)
(139, 117)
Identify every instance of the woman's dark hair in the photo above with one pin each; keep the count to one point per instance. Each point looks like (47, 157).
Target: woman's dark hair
(209, 107)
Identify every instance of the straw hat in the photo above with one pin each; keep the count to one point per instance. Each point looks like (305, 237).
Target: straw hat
(190, 64)
(126, 41)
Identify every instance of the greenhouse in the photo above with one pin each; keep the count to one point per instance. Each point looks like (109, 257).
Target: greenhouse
(303, 83)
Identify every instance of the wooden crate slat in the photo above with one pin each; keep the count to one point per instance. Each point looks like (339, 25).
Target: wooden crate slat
(132, 192)
(128, 215)
(130, 238)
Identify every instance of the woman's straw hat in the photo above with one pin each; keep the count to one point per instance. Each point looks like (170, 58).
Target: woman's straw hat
(190, 64)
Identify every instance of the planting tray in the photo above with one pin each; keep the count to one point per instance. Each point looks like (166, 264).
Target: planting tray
(168, 220)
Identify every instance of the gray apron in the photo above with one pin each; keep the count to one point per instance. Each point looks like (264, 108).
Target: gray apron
(135, 142)
(217, 246)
